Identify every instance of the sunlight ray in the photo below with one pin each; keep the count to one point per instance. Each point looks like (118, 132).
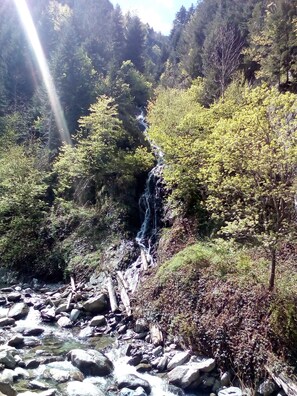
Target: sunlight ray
(33, 39)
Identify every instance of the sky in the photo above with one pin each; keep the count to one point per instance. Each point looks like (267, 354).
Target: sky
(159, 14)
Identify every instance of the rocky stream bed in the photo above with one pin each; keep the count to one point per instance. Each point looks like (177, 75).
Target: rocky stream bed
(73, 340)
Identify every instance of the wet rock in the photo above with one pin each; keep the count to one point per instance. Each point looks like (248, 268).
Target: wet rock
(18, 311)
(64, 322)
(31, 342)
(129, 392)
(16, 341)
(231, 391)
(91, 362)
(162, 363)
(86, 332)
(157, 351)
(37, 385)
(175, 390)
(74, 314)
(267, 388)
(6, 322)
(179, 359)
(98, 320)
(14, 296)
(131, 381)
(97, 304)
(143, 367)
(32, 363)
(7, 359)
(48, 314)
(21, 373)
(7, 389)
(7, 376)
(2, 300)
(63, 308)
(58, 375)
(141, 326)
(33, 331)
(76, 388)
(184, 376)
(135, 360)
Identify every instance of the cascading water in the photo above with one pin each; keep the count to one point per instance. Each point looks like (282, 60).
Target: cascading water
(150, 204)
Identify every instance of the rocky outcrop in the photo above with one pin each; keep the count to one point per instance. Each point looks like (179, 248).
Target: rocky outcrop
(91, 362)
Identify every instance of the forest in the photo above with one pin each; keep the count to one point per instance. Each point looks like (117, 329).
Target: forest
(219, 96)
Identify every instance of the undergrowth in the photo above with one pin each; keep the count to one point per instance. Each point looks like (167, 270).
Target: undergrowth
(213, 297)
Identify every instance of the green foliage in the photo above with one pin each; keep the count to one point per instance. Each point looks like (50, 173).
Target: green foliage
(23, 188)
(220, 257)
(104, 156)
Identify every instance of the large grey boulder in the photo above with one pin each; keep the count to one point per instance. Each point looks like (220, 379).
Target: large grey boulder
(7, 359)
(64, 322)
(185, 375)
(17, 340)
(179, 359)
(6, 322)
(76, 388)
(206, 365)
(18, 311)
(131, 381)
(98, 320)
(91, 362)
(97, 304)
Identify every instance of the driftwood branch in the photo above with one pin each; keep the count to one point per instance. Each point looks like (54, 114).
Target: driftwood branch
(283, 381)
(112, 295)
(124, 295)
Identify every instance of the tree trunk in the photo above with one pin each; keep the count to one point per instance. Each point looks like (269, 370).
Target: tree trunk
(273, 266)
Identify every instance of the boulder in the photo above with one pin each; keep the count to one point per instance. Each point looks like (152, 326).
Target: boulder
(129, 392)
(97, 304)
(18, 311)
(16, 341)
(48, 314)
(76, 388)
(14, 296)
(206, 365)
(74, 314)
(64, 322)
(86, 332)
(131, 381)
(6, 322)
(91, 362)
(98, 320)
(178, 359)
(7, 359)
(141, 326)
(33, 331)
(184, 376)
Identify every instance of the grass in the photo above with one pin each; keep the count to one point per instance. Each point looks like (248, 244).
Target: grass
(220, 258)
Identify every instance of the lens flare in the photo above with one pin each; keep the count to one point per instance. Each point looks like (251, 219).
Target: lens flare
(33, 39)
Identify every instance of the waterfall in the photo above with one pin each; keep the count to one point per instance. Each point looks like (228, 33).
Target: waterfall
(150, 204)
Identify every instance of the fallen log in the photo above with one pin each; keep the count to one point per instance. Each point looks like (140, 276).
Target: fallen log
(124, 295)
(283, 381)
(143, 260)
(112, 295)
